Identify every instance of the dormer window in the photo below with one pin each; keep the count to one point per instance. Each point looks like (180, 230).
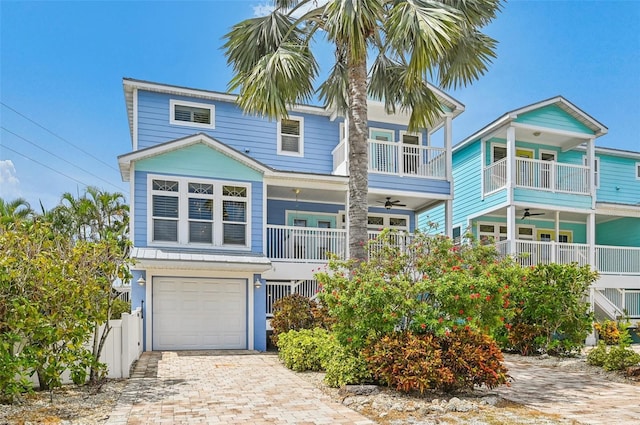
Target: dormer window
(192, 114)
(291, 136)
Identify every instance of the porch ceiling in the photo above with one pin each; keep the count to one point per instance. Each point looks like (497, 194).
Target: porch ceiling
(544, 137)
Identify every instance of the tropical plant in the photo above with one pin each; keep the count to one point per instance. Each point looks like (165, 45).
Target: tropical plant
(14, 211)
(409, 42)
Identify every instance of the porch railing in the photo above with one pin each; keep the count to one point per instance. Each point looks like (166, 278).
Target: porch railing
(540, 175)
(618, 259)
(495, 176)
(279, 289)
(304, 243)
(403, 159)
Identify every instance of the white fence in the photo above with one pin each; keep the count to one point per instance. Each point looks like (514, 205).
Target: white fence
(495, 176)
(626, 300)
(280, 289)
(618, 259)
(122, 347)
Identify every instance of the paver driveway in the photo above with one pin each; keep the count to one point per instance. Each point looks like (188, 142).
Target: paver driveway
(214, 388)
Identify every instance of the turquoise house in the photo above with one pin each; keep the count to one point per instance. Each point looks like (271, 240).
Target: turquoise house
(534, 183)
(230, 212)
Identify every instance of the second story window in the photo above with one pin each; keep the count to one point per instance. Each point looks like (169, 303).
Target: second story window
(291, 136)
(191, 114)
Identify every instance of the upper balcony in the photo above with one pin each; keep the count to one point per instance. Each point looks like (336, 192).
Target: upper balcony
(537, 174)
(398, 159)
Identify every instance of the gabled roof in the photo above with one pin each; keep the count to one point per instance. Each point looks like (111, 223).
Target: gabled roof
(124, 161)
(559, 101)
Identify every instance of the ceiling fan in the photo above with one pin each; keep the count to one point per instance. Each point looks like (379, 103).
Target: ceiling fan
(389, 203)
(528, 214)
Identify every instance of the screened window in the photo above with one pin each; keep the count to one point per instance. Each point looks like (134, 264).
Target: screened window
(499, 152)
(638, 170)
(199, 212)
(192, 114)
(456, 235)
(290, 136)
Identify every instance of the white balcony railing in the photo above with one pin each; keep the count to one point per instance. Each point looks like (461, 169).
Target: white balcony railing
(618, 260)
(310, 244)
(626, 301)
(397, 159)
(539, 175)
(304, 243)
(495, 176)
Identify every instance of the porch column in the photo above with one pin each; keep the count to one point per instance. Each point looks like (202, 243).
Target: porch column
(511, 163)
(556, 248)
(511, 228)
(591, 163)
(448, 218)
(448, 146)
(591, 238)
(346, 225)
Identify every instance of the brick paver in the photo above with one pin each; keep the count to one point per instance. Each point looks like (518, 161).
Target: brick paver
(587, 399)
(215, 388)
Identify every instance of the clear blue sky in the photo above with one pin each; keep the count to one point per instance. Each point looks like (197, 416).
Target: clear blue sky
(62, 65)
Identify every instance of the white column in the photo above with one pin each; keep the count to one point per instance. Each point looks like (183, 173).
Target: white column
(591, 238)
(448, 146)
(448, 218)
(511, 162)
(557, 227)
(483, 164)
(591, 162)
(511, 228)
(346, 224)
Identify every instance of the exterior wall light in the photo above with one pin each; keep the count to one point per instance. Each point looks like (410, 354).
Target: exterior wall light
(257, 284)
(141, 281)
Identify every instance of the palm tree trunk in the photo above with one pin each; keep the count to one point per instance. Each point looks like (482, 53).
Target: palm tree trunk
(358, 157)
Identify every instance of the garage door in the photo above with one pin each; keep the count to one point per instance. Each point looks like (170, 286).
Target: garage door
(199, 314)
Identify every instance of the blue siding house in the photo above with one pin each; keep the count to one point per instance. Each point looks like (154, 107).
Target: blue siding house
(534, 183)
(230, 212)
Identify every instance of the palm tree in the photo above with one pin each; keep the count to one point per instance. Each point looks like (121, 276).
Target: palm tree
(410, 41)
(14, 211)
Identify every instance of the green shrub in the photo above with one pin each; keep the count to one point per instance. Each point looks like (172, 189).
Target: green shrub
(598, 355)
(118, 307)
(304, 349)
(522, 338)
(293, 312)
(551, 297)
(620, 357)
(343, 367)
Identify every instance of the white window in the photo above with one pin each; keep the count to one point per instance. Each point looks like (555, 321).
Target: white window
(198, 212)
(491, 233)
(191, 114)
(638, 170)
(456, 235)
(291, 136)
(498, 152)
(383, 221)
(596, 169)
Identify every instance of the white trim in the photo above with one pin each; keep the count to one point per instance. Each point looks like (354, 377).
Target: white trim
(305, 212)
(386, 218)
(300, 121)
(491, 157)
(548, 152)
(212, 114)
(132, 204)
(183, 212)
(264, 218)
(134, 137)
(532, 151)
(637, 170)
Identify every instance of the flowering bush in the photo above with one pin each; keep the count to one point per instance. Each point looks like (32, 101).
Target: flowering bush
(426, 284)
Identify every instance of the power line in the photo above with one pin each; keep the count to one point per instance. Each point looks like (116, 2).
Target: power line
(56, 135)
(46, 166)
(59, 157)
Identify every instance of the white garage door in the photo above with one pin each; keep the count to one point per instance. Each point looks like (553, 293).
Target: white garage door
(199, 314)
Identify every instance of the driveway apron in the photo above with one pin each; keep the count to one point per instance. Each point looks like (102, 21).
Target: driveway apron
(223, 388)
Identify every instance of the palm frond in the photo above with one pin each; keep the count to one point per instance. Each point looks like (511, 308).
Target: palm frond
(278, 80)
(466, 60)
(333, 91)
(477, 13)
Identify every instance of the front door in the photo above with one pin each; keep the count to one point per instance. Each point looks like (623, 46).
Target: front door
(381, 154)
(546, 175)
(411, 153)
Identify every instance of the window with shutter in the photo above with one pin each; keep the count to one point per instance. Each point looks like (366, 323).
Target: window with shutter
(290, 136)
(192, 114)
